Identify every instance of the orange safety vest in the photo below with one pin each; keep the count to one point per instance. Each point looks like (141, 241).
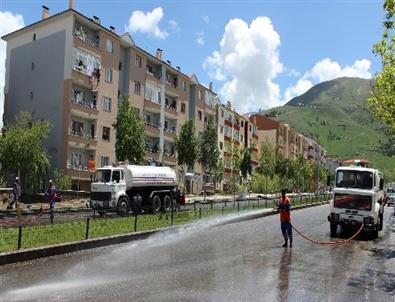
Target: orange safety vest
(91, 165)
(285, 214)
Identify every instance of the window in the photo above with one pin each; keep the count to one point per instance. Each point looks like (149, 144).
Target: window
(138, 61)
(33, 66)
(119, 93)
(242, 124)
(184, 85)
(205, 119)
(120, 66)
(137, 88)
(200, 115)
(34, 37)
(110, 46)
(108, 74)
(106, 134)
(221, 145)
(200, 95)
(104, 161)
(182, 107)
(107, 104)
(222, 113)
(77, 128)
(250, 128)
(221, 129)
(31, 95)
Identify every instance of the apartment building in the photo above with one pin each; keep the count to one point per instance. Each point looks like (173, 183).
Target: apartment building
(235, 133)
(75, 70)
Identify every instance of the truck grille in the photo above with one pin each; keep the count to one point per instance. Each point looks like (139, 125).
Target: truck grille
(101, 196)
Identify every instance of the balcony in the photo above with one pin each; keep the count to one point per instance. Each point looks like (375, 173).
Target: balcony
(77, 171)
(155, 74)
(151, 129)
(90, 37)
(81, 139)
(85, 109)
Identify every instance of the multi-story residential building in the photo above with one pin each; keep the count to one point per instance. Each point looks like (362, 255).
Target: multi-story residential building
(74, 70)
(235, 133)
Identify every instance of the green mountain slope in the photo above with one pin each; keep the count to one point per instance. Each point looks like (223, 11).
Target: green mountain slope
(337, 112)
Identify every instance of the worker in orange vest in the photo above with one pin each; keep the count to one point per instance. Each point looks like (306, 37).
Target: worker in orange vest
(91, 166)
(284, 207)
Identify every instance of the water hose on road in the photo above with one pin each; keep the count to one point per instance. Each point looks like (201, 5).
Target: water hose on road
(328, 242)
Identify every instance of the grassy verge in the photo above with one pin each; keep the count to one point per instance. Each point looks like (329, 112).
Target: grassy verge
(43, 235)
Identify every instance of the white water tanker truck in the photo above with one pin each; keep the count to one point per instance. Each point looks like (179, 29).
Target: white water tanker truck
(358, 198)
(128, 187)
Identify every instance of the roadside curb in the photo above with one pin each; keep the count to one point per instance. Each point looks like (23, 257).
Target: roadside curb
(53, 250)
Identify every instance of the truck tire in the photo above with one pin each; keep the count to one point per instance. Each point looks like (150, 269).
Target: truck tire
(381, 222)
(375, 232)
(123, 206)
(156, 204)
(333, 227)
(167, 203)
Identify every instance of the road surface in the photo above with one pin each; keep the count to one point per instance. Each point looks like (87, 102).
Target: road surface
(241, 261)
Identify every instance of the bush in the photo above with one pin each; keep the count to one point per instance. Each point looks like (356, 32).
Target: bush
(62, 181)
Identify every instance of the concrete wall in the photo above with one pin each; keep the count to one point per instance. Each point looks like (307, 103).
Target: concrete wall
(39, 89)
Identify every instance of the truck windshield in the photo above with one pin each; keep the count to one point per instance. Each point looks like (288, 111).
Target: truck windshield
(352, 201)
(103, 175)
(354, 179)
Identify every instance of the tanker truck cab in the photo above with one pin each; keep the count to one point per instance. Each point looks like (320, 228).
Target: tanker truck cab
(358, 199)
(129, 187)
(107, 189)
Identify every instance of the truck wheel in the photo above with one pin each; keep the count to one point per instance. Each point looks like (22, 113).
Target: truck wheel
(167, 203)
(123, 206)
(381, 222)
(333, 227)
(156, 204)
(375, 232)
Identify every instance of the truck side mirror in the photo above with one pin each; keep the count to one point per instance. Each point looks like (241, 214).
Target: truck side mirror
(381, 183)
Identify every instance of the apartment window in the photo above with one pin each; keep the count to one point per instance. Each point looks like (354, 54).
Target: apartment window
(184, 85)
(221, 130)
(108, 75)
(119, 93)
(110, 46)
(107, 104)
(241, 138)
(200, 95)
(104, 160)
(33, 66)
(221, 145)
(222, 113)
(106, 134)
(31, 95)
(250, 128)
(120, 66)
(77, 128)
(242, 124)
(34, 37)
(137, 87)
(200, 115)
(182, 107)
(205, 119)
(138, 61)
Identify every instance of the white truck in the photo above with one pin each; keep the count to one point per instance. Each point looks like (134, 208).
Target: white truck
(358, 198)
(128, 187)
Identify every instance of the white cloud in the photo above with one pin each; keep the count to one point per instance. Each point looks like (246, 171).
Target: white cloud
(8, 23)
(326, 70)
(206, 19)
(147, 23)
(249, 57)
(200, 38)
(174, 25)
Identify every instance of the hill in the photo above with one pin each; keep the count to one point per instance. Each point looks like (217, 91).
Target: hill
(337, 112)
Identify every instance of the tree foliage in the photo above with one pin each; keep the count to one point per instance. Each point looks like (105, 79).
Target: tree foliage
(186, 145)
(129, 127)
(22, 152)
(208, 151)
(382, 99)
(245, 163)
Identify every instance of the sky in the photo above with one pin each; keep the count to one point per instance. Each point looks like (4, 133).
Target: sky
(258, 54)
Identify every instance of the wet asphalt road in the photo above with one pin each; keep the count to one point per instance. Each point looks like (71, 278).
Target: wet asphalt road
(207, 262)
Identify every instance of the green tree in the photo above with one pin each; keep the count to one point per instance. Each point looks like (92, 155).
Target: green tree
(186, 146)
(218, 173)
(208, 151)
(129, 127)
(245, 163)
(267, 161)
(22, 151)
(62, 181)
(281, 168)
(382, 99)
